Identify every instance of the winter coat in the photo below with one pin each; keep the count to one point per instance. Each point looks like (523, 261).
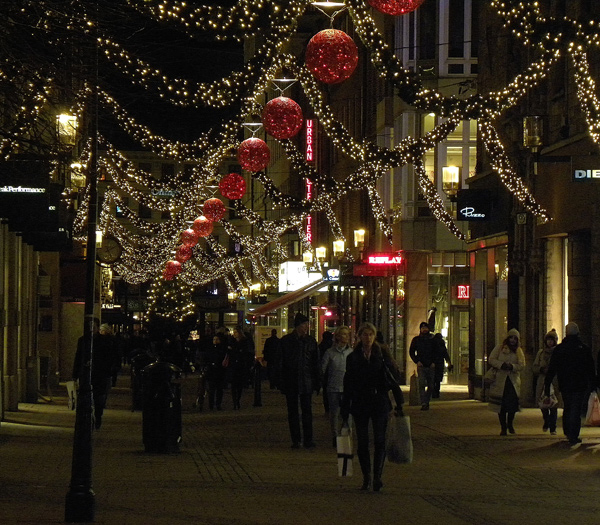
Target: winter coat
(366, 390)
(334, 363)
(424, 349)
(573, 364)
(502, 354)
(540, 367)
(299, 367)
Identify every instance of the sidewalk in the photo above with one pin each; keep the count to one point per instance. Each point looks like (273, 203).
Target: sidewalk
(237, 468)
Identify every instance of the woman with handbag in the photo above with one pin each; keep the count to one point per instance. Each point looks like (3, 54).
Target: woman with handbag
(548, 405)
(508, 360)
(366, 396)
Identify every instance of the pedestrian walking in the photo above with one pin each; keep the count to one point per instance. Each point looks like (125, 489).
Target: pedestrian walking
(366, 398)
(507, 359)
(442, 358)
(333, 366)
(325, 344)
(423, 353)
(573, 364)
(271, 354)
(241, 360)
(299, 379)
(104, 359)
(540, 368)
(215, 371)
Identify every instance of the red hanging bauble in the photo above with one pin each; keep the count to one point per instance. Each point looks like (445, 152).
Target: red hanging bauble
(282, 118)
(189, 238)
(254, 154)
(395, 7)
(202, 226)
(331, 56)
(173, 267)
(214, 209)
(166, 275)
(233, 186)
(183, 253)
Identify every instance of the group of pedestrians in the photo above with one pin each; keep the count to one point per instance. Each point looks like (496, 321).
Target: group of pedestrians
(564, 370)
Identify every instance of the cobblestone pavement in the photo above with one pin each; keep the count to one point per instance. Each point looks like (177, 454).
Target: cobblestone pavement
(237, 468)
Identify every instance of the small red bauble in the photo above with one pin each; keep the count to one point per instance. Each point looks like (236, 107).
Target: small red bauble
(214, 209)
(202, 226)
(189, 237)
(254, 154)
(331, 56)
(166, 275)
(183, 253)
(282, 118)
(395, 7)
(233, 186)
(173, 267)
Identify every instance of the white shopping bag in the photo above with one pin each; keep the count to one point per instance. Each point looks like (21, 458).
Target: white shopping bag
(72, 395)
(344, 453)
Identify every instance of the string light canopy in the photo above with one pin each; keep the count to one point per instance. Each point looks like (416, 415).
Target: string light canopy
(147, 243)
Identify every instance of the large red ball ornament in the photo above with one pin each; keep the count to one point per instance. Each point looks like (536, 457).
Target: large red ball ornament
(282, 118)
(173, 267)
(254, 154)
(214, 209)
(166, 275)
(189, 238)
(183, 253)
(233, 186)
(331, 56)
(202, 226)
(395, 7)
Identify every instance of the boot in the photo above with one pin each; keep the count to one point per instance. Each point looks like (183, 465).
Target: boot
(503, 426)
(510, 419)
(365, 467)
(378, 462)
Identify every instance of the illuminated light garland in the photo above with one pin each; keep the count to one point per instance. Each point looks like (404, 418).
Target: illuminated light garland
(508, 176)
(586, 91)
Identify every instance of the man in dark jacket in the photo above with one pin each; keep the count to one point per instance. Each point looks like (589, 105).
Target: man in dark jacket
(423, 351)
(271, 355)
(573, 364)
(104, 358)
(299, 377)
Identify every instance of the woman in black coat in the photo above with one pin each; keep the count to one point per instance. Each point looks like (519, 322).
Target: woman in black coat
(366, 396)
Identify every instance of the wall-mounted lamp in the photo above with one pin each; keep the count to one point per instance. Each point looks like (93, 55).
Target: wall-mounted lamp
(533, 129)
(98, 238)
(359, 238)
(307, 257)
(321, 253)
(451, 180)
(66, 126)
(339, 248)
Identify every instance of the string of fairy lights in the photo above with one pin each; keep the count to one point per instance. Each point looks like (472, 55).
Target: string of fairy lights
(147, 244)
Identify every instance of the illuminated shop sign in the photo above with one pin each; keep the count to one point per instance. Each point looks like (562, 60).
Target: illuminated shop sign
(164, 193)
(21, 189)
(586, 175)
(463, 291)
(309, 225)
(385, 259)
(310, 140)
(473, 205)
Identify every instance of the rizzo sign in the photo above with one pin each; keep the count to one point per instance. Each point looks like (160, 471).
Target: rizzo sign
(473, 205)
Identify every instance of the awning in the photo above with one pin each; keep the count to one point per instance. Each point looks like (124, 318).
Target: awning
(291, 297)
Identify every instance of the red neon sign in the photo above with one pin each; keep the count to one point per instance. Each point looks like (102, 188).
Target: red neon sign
(385, 259)
(463, 291)
(310, 140)
(309, 196)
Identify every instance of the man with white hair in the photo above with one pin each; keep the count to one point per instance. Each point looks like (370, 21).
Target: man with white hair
(573, 364)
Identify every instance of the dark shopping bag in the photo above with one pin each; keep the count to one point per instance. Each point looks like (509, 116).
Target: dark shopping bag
(344, 453)
(398, 440)
(414, 397)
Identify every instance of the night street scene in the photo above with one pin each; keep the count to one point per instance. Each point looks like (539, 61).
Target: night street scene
(297, 262)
